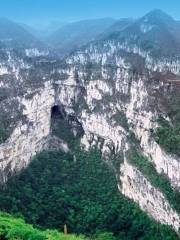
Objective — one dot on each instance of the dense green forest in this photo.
(81, 192)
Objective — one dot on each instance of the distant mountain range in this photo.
(59, 36)
(14, 35)
(43, 31)
(76, 34)
(156, 32)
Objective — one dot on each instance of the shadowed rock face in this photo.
(114, 92)
(56, 112)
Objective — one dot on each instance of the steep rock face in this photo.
(115, 139)
(112, 89)
(30, 136)
(143, 119)
(138, 108)
(135, 96)
(137, 187)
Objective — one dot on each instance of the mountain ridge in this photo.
(156, 32)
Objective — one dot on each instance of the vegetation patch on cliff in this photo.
(168, 136)
(157, 180)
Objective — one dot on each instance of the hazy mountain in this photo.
(116, 27)
(156, 31)
(76, 34)
(14, 35)
(43, 31)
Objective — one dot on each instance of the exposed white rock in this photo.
(96, 90)
(3, 70)
(29, 137)
(110, 48)
(96, 125)
(142, 121)
(67, 95)
(135, 186)
(34, 52)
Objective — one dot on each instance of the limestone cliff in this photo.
(116, 91)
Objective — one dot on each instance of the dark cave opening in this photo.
(65, 127)
(56, 112)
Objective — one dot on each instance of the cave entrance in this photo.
(65, 126)
(56, 112)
